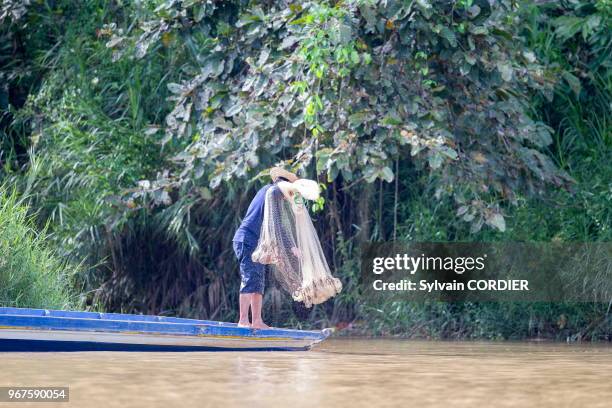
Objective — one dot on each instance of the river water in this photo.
(340, 372)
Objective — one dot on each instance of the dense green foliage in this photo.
(31, 274)
(140, 131)
(355, 87)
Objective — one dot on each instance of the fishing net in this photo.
(289, 244)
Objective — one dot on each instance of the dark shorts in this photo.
(252, 274)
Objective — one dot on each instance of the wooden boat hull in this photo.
(50, 330)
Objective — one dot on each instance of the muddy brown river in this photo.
(338, 373)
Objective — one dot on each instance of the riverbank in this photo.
(564, 322)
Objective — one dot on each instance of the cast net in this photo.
(289, 244)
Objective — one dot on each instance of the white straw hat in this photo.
(276, 172)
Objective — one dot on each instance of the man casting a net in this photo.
(277, 231)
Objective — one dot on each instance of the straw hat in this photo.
(276, 172)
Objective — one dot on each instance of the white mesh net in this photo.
(289, 244)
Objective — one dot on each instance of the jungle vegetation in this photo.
(136, 133)
(31, 273)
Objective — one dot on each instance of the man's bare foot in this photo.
(244, 324)
(259, 324)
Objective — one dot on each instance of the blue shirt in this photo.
(250, 228)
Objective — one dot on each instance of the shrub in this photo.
(31, 274)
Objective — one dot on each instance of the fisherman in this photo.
(245, 241)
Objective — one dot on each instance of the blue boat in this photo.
(56, 330)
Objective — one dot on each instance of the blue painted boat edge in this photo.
(17, 311)
(13, 311)
(112, 326)
(19, 346)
